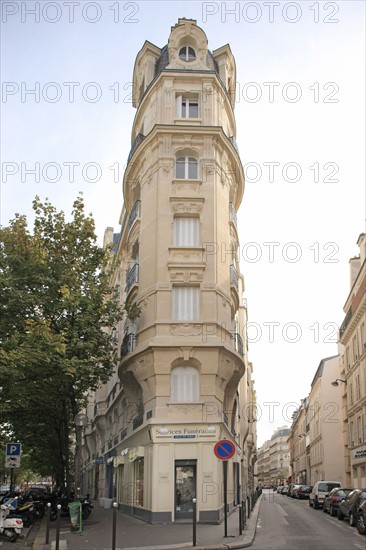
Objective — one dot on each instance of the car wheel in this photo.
(340, 516)
(332, 512)
(361, 526)
(324, 509)
(352, 519)
(310, 503)
(315, 505)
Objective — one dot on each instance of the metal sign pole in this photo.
(224, 462)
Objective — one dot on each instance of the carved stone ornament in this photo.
(186, 329)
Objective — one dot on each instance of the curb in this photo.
(247, 540)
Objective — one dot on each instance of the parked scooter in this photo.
(11, 527)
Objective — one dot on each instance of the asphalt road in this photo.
(285, 523)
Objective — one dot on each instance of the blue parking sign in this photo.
(13, 449)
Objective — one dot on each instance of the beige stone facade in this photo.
(273, 459)
(352, 374)
(182, 380)
(323, 457)
(299, 445)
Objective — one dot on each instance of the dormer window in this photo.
(187, 53)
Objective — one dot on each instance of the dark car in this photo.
(332, 500)
(302, 491)
(349, 507)
(361, 519)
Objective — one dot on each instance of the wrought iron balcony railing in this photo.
(138, 139)
(234, 279)
(233, 214)
(238, 343)
(132, 277)
(135, 213)
(129, 343)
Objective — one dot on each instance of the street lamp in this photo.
(335, 382)
(80, 421)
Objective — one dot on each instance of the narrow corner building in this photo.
(182, 379)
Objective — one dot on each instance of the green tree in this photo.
(57, 316)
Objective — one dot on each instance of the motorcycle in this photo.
(10, 526)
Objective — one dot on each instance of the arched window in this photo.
(186, 168)
(187, 53)
(184, 384)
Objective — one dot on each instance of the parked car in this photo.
(320, 489)
(284, 490)
(348, 508)
(293, 490)
(302, 491)
(361, 519)
(289, 489)
(331, 501)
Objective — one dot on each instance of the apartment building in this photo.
(273, 458)
(352, 374)
(299, 445)
(183, 380)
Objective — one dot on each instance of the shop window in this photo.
(139, 482)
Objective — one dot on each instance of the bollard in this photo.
(58, 527)
(114, 525)
(48, 515)
(194, 500)
(248, 501)
(243, 506)
(240, 520)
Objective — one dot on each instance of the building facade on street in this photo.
(182, 380)
(273, 458)
(352, 374)
(316, 439)
(299, 445)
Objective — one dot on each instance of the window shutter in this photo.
(185, 303)
(184, 384)
(186, 232)
(178, 106)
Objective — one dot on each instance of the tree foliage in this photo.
(57, 315)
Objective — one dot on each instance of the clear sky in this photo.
(300, 131)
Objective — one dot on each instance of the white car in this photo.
(320, 490)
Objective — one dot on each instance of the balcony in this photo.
(135, 213)
(237, 342)
(233, 215)
(138, 420)
(345, 322)
(128, 345)
(139, 138)
(234, 279)
(132, 277)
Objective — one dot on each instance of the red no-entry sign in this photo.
(224, 449)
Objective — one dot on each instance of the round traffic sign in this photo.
(224, 449)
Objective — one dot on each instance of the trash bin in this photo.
(75, 510)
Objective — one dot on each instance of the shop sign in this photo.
(184, 433)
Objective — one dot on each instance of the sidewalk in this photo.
(134, 534)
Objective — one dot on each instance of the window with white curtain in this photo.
(186, 168)
(184, 384)
(185, 303)
(187, 106)
(186, 231)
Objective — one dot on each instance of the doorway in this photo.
(185, 488)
